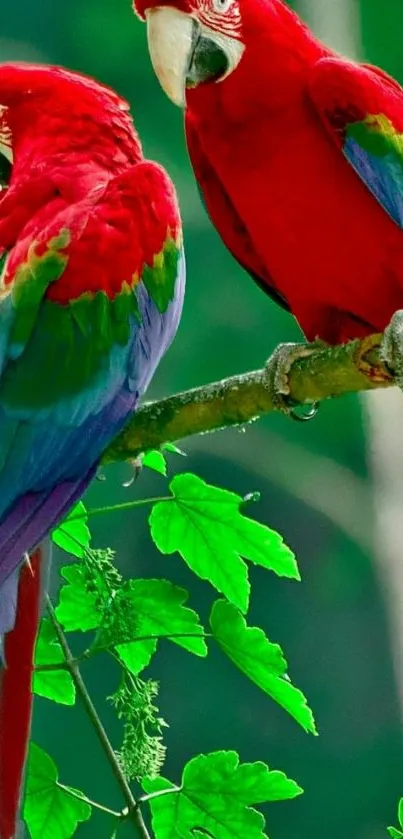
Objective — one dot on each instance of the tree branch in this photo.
(329, 372)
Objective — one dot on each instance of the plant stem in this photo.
(89, 801)
(134, 812)
(126, 505)
(151, 795)
(65, 665)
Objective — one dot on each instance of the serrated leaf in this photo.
(73, 534)
(52, 684)
(155, 460)
(263, 662)
(157, 608)
(137, 656)
(204, 524)
(77, 606)
(49, 810)
(215, 796)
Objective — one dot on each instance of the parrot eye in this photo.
(222, 6)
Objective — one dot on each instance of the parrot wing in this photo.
(87, 308)
(362, 108)
(88, 305)
(225, 218)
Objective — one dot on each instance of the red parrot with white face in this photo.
(298, 154)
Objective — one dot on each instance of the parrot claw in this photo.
(392, 347)
(276, 373)
(137, 467)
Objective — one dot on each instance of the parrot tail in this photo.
(15, 692)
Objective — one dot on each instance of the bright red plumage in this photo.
(15, 693)
(268, 142)
(326, 246)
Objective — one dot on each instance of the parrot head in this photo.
(195, 43)
(47, 108)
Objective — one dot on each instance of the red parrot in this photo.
(298, 154)
(91, 294)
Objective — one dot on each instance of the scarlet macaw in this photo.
(298, 154)
(91, 294)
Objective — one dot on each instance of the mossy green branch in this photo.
(327, 373)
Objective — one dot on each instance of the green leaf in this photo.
(262, 661)
(400, 812)
(170, 447)
(73, 534)
(215, 796)
(204, 524)
(155, 607)
(137, 656)
(395, 834)
(155, 460)
(52, 684)
(49, 810)
(77, 606)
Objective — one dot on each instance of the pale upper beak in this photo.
(185, 53)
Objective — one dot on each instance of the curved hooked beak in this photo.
(185, 53)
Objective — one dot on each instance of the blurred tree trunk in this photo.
(338, 23)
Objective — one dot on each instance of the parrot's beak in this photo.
(185, 53)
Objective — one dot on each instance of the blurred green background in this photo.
(316, 480)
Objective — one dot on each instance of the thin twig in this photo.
(133, 810)
(115, 508)
(168, 636)
(89, 801)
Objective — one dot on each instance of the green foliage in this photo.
(127, 619)
(51, 810)
(205, 525)
(154, 608)
(155, 460)
(53, 684)
(393, 832)
(262, 661)
(142, 753)
(215, 795)
(77, 608)
(73, 534)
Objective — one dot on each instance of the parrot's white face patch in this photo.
(223, 16)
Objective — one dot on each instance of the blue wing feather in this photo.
(362, 108)
(382, 173)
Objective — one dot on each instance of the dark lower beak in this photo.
(5, 171)
(208, 61)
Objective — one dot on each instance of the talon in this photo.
(362, 358)
(137, 466)
(392, 347)
(276, 373)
